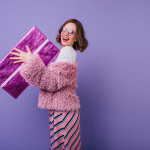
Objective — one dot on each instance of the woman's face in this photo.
(68, 35)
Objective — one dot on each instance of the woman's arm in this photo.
(52, 78)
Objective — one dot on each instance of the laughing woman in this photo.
(58, 84)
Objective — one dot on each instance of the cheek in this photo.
(61, 34)
(73, 38)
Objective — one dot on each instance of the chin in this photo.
(65, 44)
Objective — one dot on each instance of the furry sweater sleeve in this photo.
(52, 78)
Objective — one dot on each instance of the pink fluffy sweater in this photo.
(57, 83)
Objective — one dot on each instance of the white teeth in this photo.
(65, 38)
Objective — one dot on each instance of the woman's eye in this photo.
(71, 32)
(64, 29)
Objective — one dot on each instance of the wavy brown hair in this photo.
(81, 43)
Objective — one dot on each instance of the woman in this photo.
(58, 84)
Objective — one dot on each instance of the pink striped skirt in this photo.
(64, 130)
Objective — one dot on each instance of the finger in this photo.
(15, 58)
(18, 61)
(18, 50)
(16, 54)
(28, 49)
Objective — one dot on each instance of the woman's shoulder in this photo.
(68, 49)
(67, 54)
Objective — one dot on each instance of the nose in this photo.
(65, 33)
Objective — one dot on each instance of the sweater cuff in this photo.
(33, 69)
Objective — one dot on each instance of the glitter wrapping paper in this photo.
(10, 78)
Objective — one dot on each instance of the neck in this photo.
(62, 46)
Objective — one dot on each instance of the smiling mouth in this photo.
(65, 39)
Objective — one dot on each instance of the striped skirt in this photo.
(64, 130)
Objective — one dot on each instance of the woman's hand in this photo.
(21, 56)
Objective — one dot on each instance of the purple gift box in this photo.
(10, 78)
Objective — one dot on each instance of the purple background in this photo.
(114, 73)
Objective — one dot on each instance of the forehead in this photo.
(71, 26)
